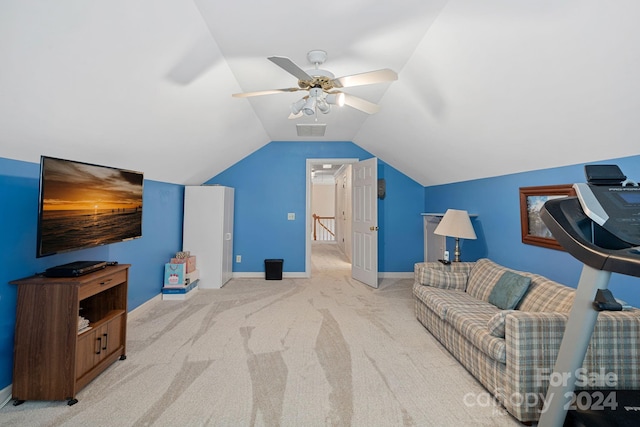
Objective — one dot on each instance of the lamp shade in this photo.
(456, 223)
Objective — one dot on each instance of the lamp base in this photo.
(456, 252)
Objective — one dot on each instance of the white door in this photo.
(434, 245)
(364, 263)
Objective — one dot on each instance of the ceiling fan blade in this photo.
(371, 77)
(197, 61)
(361, 104)
(295, 116)
(290, 67)
(265, 92)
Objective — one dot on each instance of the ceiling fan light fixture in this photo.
(323, 106)
(309, 106)
(335, 99)
(316, 92)
(297, 106)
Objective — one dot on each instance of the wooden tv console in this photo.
(51, 359)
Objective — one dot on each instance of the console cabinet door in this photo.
(111, 339)
(97, 344)
(86, 352)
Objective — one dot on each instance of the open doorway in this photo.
(332, 181)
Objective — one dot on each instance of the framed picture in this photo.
(534, 231)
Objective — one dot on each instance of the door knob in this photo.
(372, 228)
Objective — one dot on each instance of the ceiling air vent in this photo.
(311, 129)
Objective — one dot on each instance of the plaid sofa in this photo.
(513, 352)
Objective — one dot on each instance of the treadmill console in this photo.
(601, 226)
(615, 208)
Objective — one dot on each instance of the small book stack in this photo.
(180, 277)
(83, 324)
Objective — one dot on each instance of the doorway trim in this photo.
(307, 213)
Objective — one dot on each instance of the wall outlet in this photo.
(446, 255)
(291, 216)
(238, 258)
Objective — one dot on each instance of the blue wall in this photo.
(400, 238)
(271, 182)
(496, 201)
(161, 238)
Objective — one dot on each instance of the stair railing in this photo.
(324, 227)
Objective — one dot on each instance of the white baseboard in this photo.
(247, 275)
(302, 275)
(142, 308)
(5, 395)
(396, 275)
(260, 275)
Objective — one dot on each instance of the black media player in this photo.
(75, 269)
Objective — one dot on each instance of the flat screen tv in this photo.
(82, 205)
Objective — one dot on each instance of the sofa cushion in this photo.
(495, 325)
(440, 300)
(471, 323)
(483, 277)
(508, 290)
(444, 279)
(545, 295)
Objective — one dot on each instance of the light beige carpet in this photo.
(325, 351)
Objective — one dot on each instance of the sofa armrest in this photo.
(533, 342)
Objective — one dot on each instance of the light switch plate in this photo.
(291, 216)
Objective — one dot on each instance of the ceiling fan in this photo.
(323, 87)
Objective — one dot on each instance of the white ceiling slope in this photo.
(485, 88)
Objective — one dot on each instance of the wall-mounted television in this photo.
(83, 205)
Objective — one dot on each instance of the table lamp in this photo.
(456, 223)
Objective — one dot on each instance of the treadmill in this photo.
(601, 228)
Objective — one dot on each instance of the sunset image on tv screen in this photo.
(84, 205)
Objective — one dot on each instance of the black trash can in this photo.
(273, 269)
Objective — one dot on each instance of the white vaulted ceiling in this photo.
(484, 88)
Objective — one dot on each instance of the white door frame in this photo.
(307, 214)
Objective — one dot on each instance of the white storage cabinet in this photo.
(208, 232)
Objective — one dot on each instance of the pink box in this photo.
(191, 264)
(190, 261)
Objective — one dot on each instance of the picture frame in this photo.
(534, 231)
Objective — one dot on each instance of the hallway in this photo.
(327, 257)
